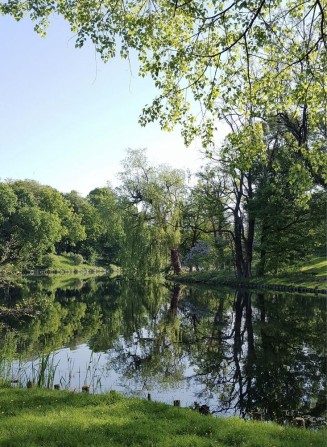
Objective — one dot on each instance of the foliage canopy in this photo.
(210, 60)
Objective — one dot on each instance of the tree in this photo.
(154, 198)
(248, 63)
(48, 199)
(237, 60)
(290, 215)
(205, 220)
(35, 233)
(100, 216)
(231, 182)
(27, 232)
(35, 220)
(109, 232)
(262, 197)
(91, 222)
(8, 204)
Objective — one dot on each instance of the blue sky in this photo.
(66, 118)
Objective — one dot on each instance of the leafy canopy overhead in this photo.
(241, 61)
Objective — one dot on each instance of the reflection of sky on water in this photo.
(234, 351)
(77, 367)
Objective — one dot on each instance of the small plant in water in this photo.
(93, 373)
(66, 378)
(47, 370)
(38, 373)
(44, 372)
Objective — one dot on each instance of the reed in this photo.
(44, 372)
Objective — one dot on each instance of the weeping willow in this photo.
(152, 218)
(145, 249)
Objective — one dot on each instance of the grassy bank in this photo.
(37, 417)
(311, 275)
(67, 264)
(60, 264)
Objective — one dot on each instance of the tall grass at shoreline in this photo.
(44, 372)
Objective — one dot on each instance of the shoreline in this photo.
(31, 417)
(201, 279)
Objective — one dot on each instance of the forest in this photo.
(251, 220)
(255, 209)
(259, 202)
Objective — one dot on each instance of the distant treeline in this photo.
(237, 216)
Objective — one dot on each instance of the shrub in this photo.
(46, 261)
(76, 258)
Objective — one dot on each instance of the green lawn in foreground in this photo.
(46, 418)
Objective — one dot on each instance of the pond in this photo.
(239, 352)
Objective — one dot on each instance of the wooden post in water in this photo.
(177, 403)
(149, 396)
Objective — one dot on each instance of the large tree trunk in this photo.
(175, 261)
(238, 230)
(249, 237)
(249, 248)
(239, 258)
(244, 226)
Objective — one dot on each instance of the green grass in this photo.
(38, 417)
(317, 267)
(66, 263)
(61, 264)
(311, 275)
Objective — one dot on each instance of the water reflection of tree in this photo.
(291, 365)
(151, 354)
(268, 356)
(58, 317)
(247, 351)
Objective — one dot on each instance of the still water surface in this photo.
(236, 351)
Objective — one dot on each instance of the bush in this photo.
(46, 262)
(76, 258)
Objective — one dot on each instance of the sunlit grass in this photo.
(39, 417)
(60, 264)
(312, 274)
(317, 267)
(65, 262)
